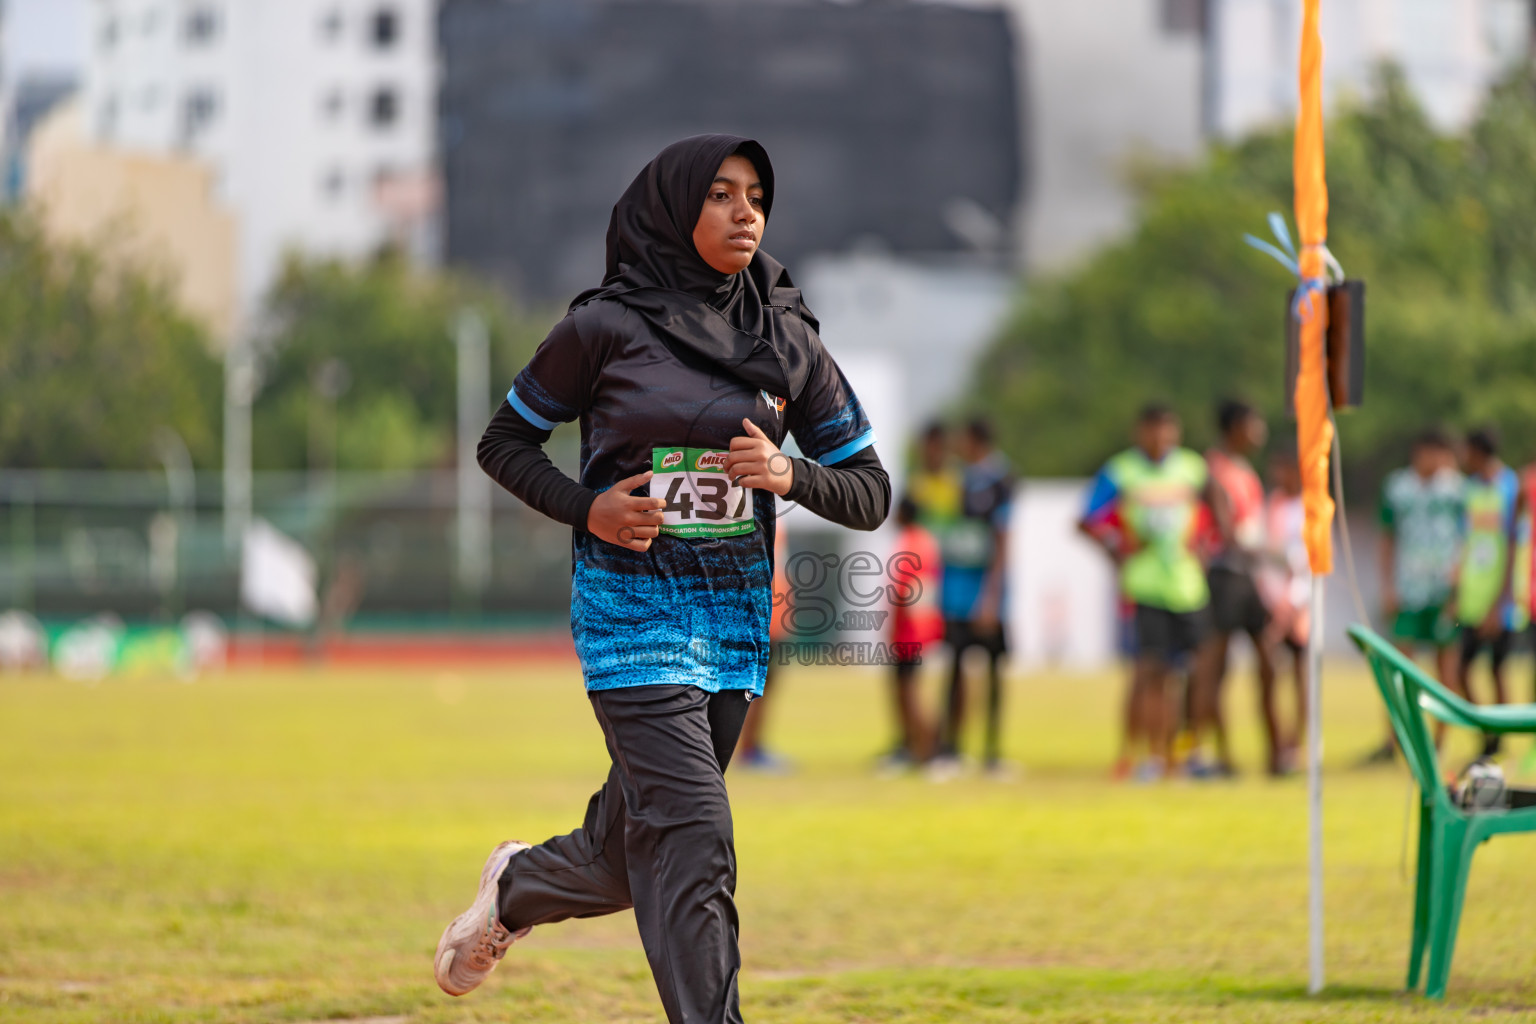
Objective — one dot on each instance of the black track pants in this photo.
(657, 837)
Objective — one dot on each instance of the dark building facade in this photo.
(881, 117)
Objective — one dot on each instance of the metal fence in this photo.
(148, 546)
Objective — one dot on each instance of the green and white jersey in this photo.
(1427, 518)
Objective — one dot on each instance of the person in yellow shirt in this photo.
(935, 486)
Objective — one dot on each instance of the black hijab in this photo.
(752, 324)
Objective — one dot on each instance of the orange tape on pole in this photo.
(1314, 431)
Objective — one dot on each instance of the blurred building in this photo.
(918, 324)
(1450, 51)
(314, 116)
(159, 211)
(1109, 82)
(1113, 82)
(892, 125)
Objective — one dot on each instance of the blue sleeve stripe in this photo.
(1101, 494)
(837, 455)
(527, 413)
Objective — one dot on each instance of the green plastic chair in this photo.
(1448, 833)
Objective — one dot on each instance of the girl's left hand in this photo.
(755, 461)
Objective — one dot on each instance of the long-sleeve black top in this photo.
(855, 492)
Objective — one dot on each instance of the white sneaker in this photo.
(1002, 771)
(944, 768)
(475, 941)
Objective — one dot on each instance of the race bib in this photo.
(1164, 525)
(968, 542)
(701, 500)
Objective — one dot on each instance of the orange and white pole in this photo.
(1314, 433)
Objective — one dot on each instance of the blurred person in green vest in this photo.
(1159, 492)
(1489, 612)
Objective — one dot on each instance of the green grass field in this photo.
(287, 847)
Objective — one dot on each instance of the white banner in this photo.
(277, 576)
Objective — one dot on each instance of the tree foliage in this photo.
(359, 368)
(1443, 231)
(96, 360)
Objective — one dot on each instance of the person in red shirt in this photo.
(1285, 582)
(1236, 606)
(917, 626)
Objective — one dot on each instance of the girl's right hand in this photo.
(626, 519)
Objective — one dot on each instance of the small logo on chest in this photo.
(774, 402)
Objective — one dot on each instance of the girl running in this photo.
(687, 368)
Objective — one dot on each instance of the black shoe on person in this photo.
(1384, 754)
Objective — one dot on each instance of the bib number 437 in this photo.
(701, 500)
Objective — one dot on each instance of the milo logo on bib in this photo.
(701, 500)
